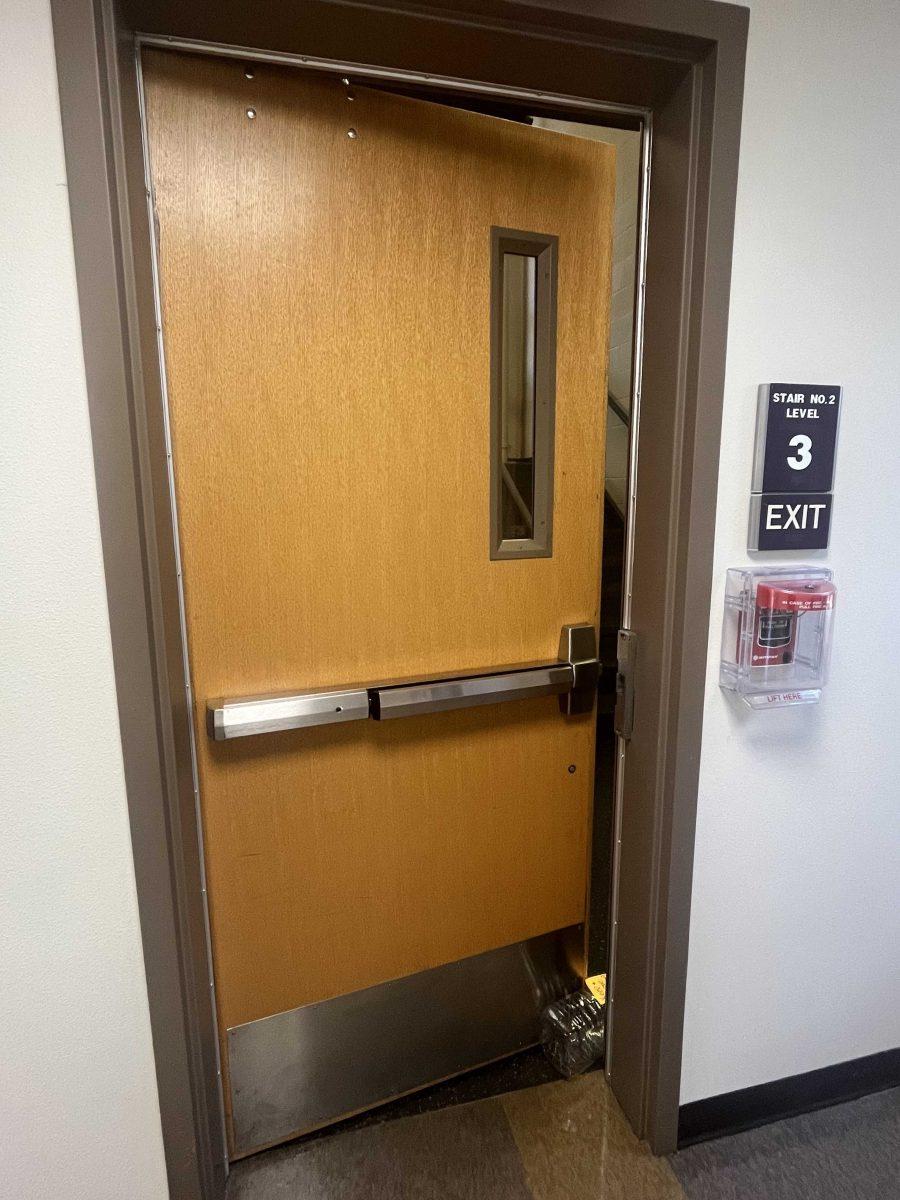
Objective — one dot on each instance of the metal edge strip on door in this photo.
(637, 365)
(172, 494)
(300, 1069)
(365, 71)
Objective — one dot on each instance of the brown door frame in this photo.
(684, 63)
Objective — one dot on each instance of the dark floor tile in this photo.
(848, 1152)
(465, 1153)
(356, 1167)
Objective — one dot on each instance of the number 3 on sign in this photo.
(801, 460)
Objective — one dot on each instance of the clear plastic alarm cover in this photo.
(776, 635)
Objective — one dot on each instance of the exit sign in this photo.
(793, 466)
(790, 521)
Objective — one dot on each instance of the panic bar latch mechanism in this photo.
(573, 677)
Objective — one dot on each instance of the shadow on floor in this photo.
(527, 1069)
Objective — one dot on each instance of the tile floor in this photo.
(568, 1139)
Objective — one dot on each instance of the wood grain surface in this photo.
(326, 330)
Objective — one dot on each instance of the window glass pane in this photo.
(523, 392)
(517, 389)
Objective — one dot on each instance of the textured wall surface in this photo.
(795, 927)
(78, 1106)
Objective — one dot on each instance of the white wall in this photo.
(79, 1118)
(794, 957)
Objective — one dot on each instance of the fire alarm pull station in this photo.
(776, 638)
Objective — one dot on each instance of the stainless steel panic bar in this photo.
(573, 677)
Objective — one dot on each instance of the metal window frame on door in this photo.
(543, 249)
(686, 68)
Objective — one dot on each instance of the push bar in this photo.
(573, 677)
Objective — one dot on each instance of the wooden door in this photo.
(325, 269)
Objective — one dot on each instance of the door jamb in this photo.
(693, 63)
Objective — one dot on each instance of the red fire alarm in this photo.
(776, 640)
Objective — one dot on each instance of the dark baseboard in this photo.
(753, 1106)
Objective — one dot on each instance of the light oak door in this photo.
(330, 272)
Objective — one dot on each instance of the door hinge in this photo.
(626, 653)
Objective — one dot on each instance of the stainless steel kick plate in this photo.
(303, 1068)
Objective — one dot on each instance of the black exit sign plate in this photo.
(795, 521)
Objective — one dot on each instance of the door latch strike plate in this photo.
(626, 654)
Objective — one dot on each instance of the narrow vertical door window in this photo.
(523, 376)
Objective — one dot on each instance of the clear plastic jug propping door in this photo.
(776, 635)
